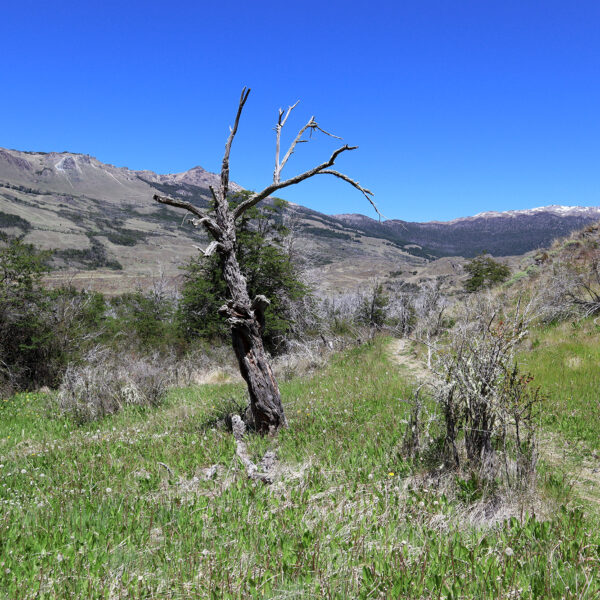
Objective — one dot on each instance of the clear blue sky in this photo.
(457, 106)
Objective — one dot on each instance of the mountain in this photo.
(500, 233)
(108, 233)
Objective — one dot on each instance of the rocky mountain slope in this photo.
(108, 233)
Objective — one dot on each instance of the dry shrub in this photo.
(303, 358)
(573, 289)
(107, 382)
(199, 366)
(571, 283)
(487, 405)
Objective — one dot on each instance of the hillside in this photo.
(109, 235)
(104, 224)
(499, 233)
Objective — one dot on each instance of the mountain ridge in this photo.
(499, 233)
(101, 220)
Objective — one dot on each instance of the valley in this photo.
(108, 234)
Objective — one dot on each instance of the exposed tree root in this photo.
(265, 472)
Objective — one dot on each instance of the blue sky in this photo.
(458, 107)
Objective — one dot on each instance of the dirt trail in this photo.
(581, 467)
(400, 352)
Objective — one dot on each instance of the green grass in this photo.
(565, 361)
(88, 512)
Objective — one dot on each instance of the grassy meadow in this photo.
(153, 503)
(565, 360)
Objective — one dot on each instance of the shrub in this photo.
(484, 272)
(146, 316)
(484, 398)
(106, 383)
(26, 336)
(373, 307)
(573, 289)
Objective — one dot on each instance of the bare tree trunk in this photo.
(246, 317)
(247, 321)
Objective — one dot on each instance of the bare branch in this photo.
(337, 137)
(311, 123)
(225, 165)
(366, 193)
(210, 249)
(280, 123)
(212, 227)
(266, 476)
(256, 198)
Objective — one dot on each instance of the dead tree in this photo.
(245, 315)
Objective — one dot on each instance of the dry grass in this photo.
(106, 383)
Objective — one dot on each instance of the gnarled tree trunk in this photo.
(246, 316)
(246, 320)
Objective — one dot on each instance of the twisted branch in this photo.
(256, 198)
(203, 219)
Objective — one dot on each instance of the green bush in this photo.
(26, 336)
(484, 272)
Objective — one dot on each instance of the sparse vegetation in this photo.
(106, 383)
(9, 220)
(122, 236)
(328, 233)
(93, 257)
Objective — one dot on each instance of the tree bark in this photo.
(246, 320)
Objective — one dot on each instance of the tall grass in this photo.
(565, 360)
(126, 508)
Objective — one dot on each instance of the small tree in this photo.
(25, 332)
(373, 308)
(246, 315)
(267, 267)
(484, 272)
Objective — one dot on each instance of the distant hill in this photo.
(499, 233)
(109, 234)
